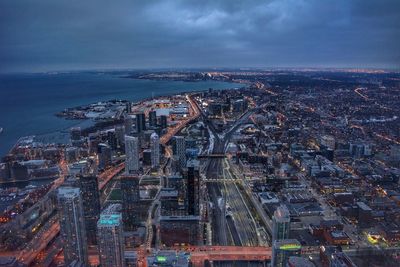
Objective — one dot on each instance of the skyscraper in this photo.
(192, 175)
(91, 206)
(179, 150)
(112, 140)
(110, 240)
(128, 122)
(75, 133)
(128, 107)
(281, 223)
(130, 199)
(104, 155)
(76, 136)
(140, 122)
(283, 249)
(155, 150)
(72, 225)
(153, 118)
(132, 154)
(120, 134)
(163, 121)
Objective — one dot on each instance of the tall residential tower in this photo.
(132, 154)
(155, 150)
(72, 225)
(110, 240)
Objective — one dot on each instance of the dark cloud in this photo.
(41, 35)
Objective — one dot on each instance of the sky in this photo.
(46, 35)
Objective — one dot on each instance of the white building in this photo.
(155, 150)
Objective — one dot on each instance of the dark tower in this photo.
(130, 201)
(140, 122)
(193, 186)
(91, 206)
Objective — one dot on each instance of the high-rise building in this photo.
(130, 199)
(75, 133)
(132, 154)
(153, 118)
(104, 154)
(72, 225)
(120, 134)
(71, 154)
(283, 249)
(128, 107)
(155, 150)
(140, 122)
(112, 140)
(146, 137)
(128, 122)
(192, 175)
(93, 142)
(76, 136)
(91, 206)
(281, 223)
(179, 150)
(147, 157)
(175, 166)
(163, 121)
(110, 240)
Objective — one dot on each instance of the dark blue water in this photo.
(28, 102)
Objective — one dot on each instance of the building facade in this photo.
(130, 199)
(132, 154)
(281, 223)
(179, 150)
(155, 150)
(91, 205)
(110, 240)
(72, 225)
(192, 175)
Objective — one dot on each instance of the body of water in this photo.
(28, 102)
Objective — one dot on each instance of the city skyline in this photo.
(293, 168)
(186, 133)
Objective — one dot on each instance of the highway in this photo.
(39, 242)
(47, 232)
(172, 131)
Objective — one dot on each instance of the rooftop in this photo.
(109, 220)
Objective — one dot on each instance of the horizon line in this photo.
(206, 69)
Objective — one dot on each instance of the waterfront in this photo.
(28, 102)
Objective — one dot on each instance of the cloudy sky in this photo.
(38, 35)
